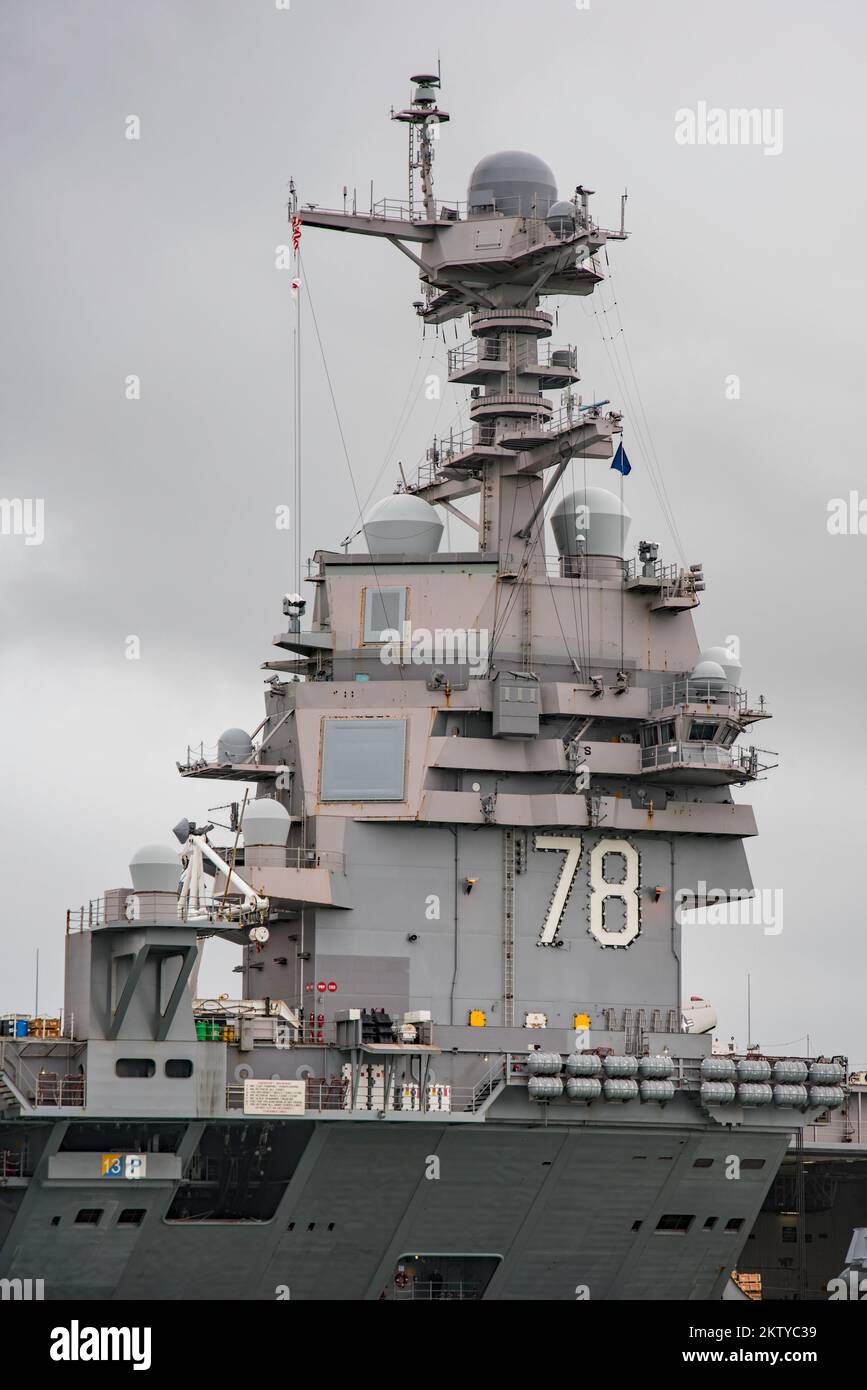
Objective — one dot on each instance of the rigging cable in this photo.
(653, 468)
(640, 399)
(343, 443)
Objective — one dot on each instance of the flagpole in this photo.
(622, 556)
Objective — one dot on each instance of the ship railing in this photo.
(489, 349)
(199, 755)
(311, 1035)
(450, 210)
(334, 1093)
(398, 209)
(547, 351)
(744, 761)
(574, 413)
(395, 210)
(489, 434)
(45, 1087)
(294, 857)
(693, 691)
(85, 917)
(651, 569)
(428, 1290)
(696, 692)
(316, 859)
(322, 1093)
(674, 580)
(842, 1126)
(13, 1163)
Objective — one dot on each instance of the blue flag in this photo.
(621, 462)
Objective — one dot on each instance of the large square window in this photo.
(384, 611)
(363, 759)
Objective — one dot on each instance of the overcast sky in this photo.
(156, 257)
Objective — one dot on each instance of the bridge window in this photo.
(675, 1223)
(384, 611)
(131, 1216)
(363, 759)
(703, 730)
(141, 1067)
(88, 1216)
(179, 1067)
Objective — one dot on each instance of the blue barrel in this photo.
(21, 1027)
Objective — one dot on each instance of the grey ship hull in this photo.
(562, 1210)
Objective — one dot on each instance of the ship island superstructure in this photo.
(484, 787)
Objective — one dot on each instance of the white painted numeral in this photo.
(572, 845)
(601, 890)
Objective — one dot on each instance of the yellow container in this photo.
(477, 1018)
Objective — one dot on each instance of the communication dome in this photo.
(403, 525)
(730, 664)
(708, 671)
(234, 746)
(597, 515)
(561, 219)
(513, 182)
(266, 822)
(155, 869)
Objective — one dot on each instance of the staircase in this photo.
(9, 1098)
(491, 1084)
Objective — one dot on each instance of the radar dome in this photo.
(561, 219)
(712, 672)
(596, 515)
(513, 182)
(403, 525)
(730, 664)
(234, 746)
(155, 869)
(266, 822)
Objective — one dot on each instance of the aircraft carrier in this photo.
(486, 782)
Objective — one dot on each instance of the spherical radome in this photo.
(730, 664)
(402, 525)
(155, 869)
(234, 746)
(707, 671)
(513, 182)
(266, 822)
(595, 514)
(561, 218)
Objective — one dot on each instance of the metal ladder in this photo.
(509, 870)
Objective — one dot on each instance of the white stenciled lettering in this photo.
(572, 845)
(602, 890)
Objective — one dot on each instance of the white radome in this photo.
(155, 869)
(403, 525)
(596, 514)
(266, 822)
